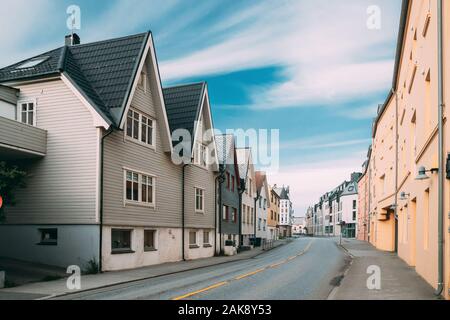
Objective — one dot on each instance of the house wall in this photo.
(274, 207)
(248, 201)
(7, 110)
(165, 216)
(262, 207)
(363, 208)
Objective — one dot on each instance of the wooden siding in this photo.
(62, 186)
(122, 153)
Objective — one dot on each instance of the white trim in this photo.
(139, 139)
(7, 146)
(19, 110)
(203, 199)
(97, 118)
(138, 203)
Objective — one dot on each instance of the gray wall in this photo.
(77, 244)
(120, 153)
(230, 199)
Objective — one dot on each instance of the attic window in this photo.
(32, 63)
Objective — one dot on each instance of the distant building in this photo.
(286, 212)
(299, 226)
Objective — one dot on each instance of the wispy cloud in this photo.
(325, 141)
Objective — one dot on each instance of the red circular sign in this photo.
(1, 201)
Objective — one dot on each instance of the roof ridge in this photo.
(111, 39)
(185, 85)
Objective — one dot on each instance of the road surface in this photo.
(306, 268)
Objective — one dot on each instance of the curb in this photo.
(52, 296)
(335, 290)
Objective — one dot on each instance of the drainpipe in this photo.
(102, 152)
(241, 191)
(220, 179)
(440, 287)
(254, 226)
(183, 213)
(396, 173)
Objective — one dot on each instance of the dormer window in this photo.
(140, 128)
(27, 112)
(200, 154)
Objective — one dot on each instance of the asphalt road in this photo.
(303, 269)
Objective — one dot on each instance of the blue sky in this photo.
(309, 68)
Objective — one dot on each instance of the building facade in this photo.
(262, 205)
(273, 214)
(409, 179)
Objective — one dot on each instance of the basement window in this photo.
(121, 241)
(49, 237)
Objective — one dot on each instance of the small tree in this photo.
(11, 178)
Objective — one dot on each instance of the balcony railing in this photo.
(19, 140)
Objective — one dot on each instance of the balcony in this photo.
(21, 141)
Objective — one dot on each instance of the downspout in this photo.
(396, 173)
(102, 152)
(440, 287)
(241, 191)
(220, 179)
(254, 226)
(183, 228)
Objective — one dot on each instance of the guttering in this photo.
(440, 287)
(183, 228)
(102, 146)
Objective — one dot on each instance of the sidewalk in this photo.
(398, 280)
(43, 290)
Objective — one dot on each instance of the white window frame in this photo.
(155, 240)
(139, 202)
(142, 82)
(200, 155)
(203, 191)
(209, 238)
(19, 111)
(193, 245)
(139, 139)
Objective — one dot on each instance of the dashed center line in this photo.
(220, 284)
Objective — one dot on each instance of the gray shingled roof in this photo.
(103, 71)
(183, 105)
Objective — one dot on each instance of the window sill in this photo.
(47, 244)
(122, 252)
(194, 246)
(139, 143)
(207, 246)
(150, 250)
(199, 212)
(139, 204)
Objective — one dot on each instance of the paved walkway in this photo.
(398, 280)
(43, 290)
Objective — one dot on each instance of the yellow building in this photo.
(405, 211)
(273, 214)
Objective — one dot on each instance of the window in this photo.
(228, 180)
(200, 155)
(354, 204)
(259, 224)
(139, 188)
(32, 63)
(120, 241)
(199, 200)
(193, 239)
(140, 128)
(264, 225)
(49, 237)
(206, 241)
(232, 183)
(225, 213)
(27, 113)
(142, 82)
(234, 217)
(149, 240)
(354, 215)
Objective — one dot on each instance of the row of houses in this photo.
(404, 192)
(122, 172)
(336, 213)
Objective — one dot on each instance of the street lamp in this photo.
(404, 196)
(422, 173)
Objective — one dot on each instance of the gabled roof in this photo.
(225, 148)
(183, 106)
(261, 181)
(103, 72)
(243, 160)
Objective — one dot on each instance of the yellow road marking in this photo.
(201, 290)
(249, 274)
(277, 264)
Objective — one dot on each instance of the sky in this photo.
(314, 70)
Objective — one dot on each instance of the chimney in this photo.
(72, 39)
